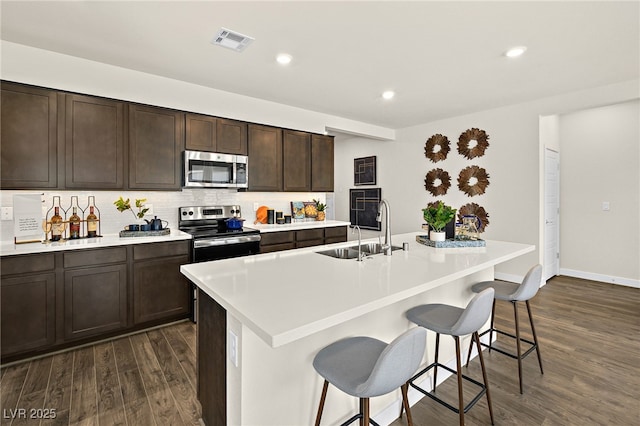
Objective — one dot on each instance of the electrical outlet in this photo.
(233, 348)
(150, 207)
(605, 206)
(7, 213)
(255, 206)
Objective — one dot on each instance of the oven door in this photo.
(207, 169)
(206, 249)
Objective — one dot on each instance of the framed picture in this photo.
(364, 171)
(363, 208)
(297, 209)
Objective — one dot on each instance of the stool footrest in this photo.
(502, 351)
(357, 417)
(483, 388)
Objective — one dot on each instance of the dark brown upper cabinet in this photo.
(94, 143)
(265, 158)
(296, 154)
(156, 141)
(29, 141)
(205, 133)
(322, 163)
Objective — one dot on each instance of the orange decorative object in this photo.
(261, 215)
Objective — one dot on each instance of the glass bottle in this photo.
(74, 225)
(57, 226)
(92, 224)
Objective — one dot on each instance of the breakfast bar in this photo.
(262, 318)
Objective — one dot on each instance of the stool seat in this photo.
(503, 290)
(365, 367)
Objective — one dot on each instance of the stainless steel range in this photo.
(218, 232)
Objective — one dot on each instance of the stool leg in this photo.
(515, 313)
(405, 402)
(493, 316)
(322, 398)
(459, 365)
(535, 338)
(435, 369)
(476, 337)
(365, 412)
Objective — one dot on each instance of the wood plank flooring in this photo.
(143, 379)
(589, 336)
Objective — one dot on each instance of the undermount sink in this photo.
(351, 252)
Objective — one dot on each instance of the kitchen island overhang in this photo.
(283, 307)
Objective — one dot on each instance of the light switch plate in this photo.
(6, 213)
(605, 206)
(255, 206)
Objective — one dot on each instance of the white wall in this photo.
(600, 162)
(513, 161)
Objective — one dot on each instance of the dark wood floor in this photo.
(589, 336)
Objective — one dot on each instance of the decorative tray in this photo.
(424, 239)
(159, 233)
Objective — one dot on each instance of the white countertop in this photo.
(303, 224)
(286, 296)
(9, 249)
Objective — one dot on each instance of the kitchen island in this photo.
(262, 319)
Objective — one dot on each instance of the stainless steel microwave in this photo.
(212, 170)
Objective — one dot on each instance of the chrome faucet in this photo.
(359, 242)
(386, 247)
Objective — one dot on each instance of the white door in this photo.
(551, 213)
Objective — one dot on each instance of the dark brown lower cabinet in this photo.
(160, 291)
(95, 301)
(286, 240)
(28, 311)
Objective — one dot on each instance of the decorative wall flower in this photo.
(473, 180)
(475, 210)
(437, 182)
(472, 143)
(436, 148)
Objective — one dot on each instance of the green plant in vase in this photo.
(437, 217)
(321, 208)
(123, 205)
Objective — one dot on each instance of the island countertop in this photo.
(286, 296)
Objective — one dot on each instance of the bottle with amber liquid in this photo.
(92, 223)
(74, 225)
(57, 225)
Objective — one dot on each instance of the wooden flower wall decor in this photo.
(472, 143)
(476, 210)
(437, 182)
(436, 148)
(473, 180)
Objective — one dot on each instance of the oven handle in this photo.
(227, 240)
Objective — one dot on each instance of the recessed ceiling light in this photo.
(284, 59)
(232, 40)
(388, 94)
(514, 52)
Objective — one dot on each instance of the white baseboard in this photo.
(629, 282)
(390, 414)
(509, 277)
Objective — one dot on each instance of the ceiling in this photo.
(441, 58)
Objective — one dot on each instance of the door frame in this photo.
(548, 217)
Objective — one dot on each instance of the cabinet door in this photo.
(27, 315)
(232, 137)
(200, 132)
(94, 143)
(29, 137)
(156, 140)
(322, 163)
(160, 291)
(296, 155)
(265, 158)
(95, 301)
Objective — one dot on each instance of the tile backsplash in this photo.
(165, 204)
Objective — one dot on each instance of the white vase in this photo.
(437, 236)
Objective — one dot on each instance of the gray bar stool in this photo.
(514, 293)
(365, 367)
(456, 322)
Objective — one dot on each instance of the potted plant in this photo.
(437, 217)
(122, 205)
(321, 208)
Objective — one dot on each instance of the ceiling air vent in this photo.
(232, 40)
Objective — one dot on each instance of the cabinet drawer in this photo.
(95, 257)
(151, 251)
(309, 243)
(277, 238)
(310, 234)
(336, 232)
(277, 247)
(27, 263)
